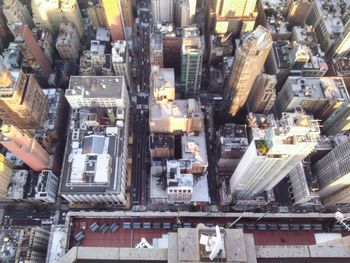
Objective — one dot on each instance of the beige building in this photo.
(49, 14)
(250, 57)
(68, 41)
(5, 175)
(297, 11)
(168, 115)
(16, 12)
(162, 10)
(22, 101)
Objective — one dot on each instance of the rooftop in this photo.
(95, 86)
(65, 33)
(341, 66)
(119, 51)
(194, 148)
(233, 136)
(161, 141)
(319, 88)
(333, 12)
(57, 243)
(16, 188)
(93, 155)
(182, 109)
(9, 243)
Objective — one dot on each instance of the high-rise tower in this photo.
(16, 12)
(162, 10)
(22, 102)
(251, 53)
(191, 61)
(26, 149)
(270, 157)
(34, 56)
(114, 19)
(49, 14)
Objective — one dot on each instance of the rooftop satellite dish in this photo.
(213, 244)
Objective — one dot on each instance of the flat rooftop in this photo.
(96, 86)
(175, 109)
(92, 163)
(194, 148)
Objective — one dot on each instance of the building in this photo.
(340, 67)
(12, 56)
(333, 172)
(46, 187)
(342, 44)
(297, 12)
(121, 61)
(45, 41)
(16, 12)
(128, 17)
(49, 14)
(161, 146)
(273, 154)
(263, 94)
(232, 144)
(95, 163)
(303, 186)
(294, 59)
(194, 149)
(5, 175)
(171, 182)
(305, 35)
(184, 12)
(27, 244)
(33, 55)
(63, 70)
(250, 56)
(156, 49)
(272, 16)
(95, 62)
(114, 18)
(96, 13)
(167, 115)
(320, 97)
(236, 17)
(92, 92)
(25, 148)
(162, 11)
(191, 61)
(172, 46)
(68, 41)
(218, 48)
(327, 19)
(16, 190)
(5, 35)
(22, 101)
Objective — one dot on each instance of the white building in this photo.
(47, 186)
(121, 61)
(162, 10)
(97, 91)
(95, 164)
(271, 157)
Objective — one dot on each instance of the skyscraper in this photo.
(162, 10)
(114, 19)
(34, 56)
(234, 16)
(49, 14)
(16, 12)
(25, 148)
(22, 101)
(250, 56)
(191, 61)
(270, 157)
(333, 175)
(185, 11)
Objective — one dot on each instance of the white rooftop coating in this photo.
(103, 34)
(100, 168)
(119, 51)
